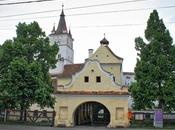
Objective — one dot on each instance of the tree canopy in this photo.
(24, 68)
(155, 69)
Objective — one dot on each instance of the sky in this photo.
(125, 20)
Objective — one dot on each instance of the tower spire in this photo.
(53, 30)
(70, 32)
(62, 28)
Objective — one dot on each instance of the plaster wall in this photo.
(71, 102)
(104, 55)
(91, 69)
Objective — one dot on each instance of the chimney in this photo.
(90, 52)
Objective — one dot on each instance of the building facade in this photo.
(128, 79)
(92, 93)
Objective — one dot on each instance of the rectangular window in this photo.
(98, 79)
(86, 79)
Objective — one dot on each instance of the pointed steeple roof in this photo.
(62, 28)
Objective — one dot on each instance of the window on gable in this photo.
(98, 79)
(86, 79)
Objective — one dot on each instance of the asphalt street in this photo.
(22, 127)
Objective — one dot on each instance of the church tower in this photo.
(64, 39)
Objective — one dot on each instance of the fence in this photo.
(146, 118)
(31, 117)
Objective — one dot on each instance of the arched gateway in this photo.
(91, 113)
(92, 93)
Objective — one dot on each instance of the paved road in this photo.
(22, 127)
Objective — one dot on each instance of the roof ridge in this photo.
(113, 53)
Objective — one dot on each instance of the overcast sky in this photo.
(120, 27)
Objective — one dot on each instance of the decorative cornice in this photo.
(92, 92)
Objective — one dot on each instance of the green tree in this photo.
(154, 71)
(24, 69)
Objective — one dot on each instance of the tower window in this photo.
(114, 78)
(54, 83)
(86, 79)
(98, 79)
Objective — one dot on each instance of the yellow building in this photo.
(92, 93)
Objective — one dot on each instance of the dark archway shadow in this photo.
(91, 114)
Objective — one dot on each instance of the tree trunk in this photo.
(25, 115)
(22, 113)
(161, 104)
(161, 96)
(5, 115)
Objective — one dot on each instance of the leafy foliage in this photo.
(24, 65)
(154, 71)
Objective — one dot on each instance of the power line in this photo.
(22, 14)
(117, 25)
(113, 3)
(112, 25)
(93, 13)
(25, 2)
(128, 10)
(73, 8)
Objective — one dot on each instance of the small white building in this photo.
(128, 79)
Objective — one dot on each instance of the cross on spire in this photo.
(62, 6)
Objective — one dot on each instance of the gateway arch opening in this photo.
(92, 113)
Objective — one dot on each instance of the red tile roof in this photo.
(70, 69)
